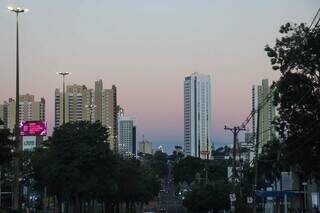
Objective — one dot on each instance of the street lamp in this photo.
(63, 74)
(91, 108)
(304, 184)
(17, 10)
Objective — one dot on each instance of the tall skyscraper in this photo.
(78, 97)
(260, 94)
(197, 115)
(126, 136)
(109, 115)
(29, 110)
(78, 101)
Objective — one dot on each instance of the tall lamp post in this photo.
(15, 206)
(304, 184)
(63, 74)
(91, 108)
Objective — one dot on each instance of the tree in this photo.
(76, 163)
(77, 166)
(186, 169)
(271, 161)
(159, 164)
(6, 144)
(137, 183)
(296, 55)
(177, 155)
(207, 197)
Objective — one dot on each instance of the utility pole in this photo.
(235, 131)
(256, 165)
(91, 108)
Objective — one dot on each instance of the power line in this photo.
(301, 99)
(317, 23)
(314, 18)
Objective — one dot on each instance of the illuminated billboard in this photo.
(33, 128)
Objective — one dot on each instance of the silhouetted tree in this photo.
(213, 196)
(6, 145)
(77, 166)
(75, 163)
(296, 55)
(159, 164)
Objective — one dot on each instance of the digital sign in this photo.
(33, 128)
(29, 143)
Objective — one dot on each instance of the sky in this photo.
(146, 48)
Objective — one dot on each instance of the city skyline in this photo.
(184, 47)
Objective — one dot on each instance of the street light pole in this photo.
(63, 74)
(91, 108)
(304, 184)
(15, 205)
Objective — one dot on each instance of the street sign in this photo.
(232, 197)
(29, 143)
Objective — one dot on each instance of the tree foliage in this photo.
(186, 169)
(272, 161)
(76, 165)
(159, 164)
(296, 55)
(6, 144)
(213, 196)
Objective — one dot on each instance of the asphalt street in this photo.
(168, 202)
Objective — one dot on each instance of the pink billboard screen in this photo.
(30, 128)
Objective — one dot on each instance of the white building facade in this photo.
(126, 136)
(262, 98)
(197, 115)
(29, 110)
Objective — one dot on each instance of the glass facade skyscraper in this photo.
(197, 115)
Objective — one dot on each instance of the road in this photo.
(167, 199)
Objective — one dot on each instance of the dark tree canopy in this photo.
(76, 165)
(271, 161)
(186, 169)
(296, 55)
(6, 144)
(203, 198)
(77, 162)
(159, 164)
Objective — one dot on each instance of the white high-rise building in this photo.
(260, 98)
(126, 136)
(79, 98)
(197, 115)
(29, 110)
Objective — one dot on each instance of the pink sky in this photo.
(146, 49)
